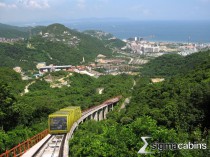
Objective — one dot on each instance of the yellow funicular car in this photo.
(76, 111)
(61, 121)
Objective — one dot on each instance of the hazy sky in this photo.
(33, 11)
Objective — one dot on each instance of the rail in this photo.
(21, 148)
(53, 147)
(42, 146)
(105, 102)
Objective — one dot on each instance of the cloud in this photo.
(32, 4)
(4, 5)
(35, 4)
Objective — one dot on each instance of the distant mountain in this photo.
(7, 31)
(107, 38)
(9, 27)
(60, 33)
(99, 34)
(54, 44)
(56, 29)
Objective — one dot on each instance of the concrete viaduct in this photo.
(95, 113)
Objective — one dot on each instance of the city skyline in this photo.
(28, 12)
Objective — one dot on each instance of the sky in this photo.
(28, 12)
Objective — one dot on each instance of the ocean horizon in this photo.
(167, 31)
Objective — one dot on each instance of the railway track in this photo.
(52, 147)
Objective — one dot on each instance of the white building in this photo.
(147, 49)
(17, 69)
(40, 65)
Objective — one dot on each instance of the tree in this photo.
(7, 101)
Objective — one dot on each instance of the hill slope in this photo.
(54, 44)
(7, 31)
(172, 64)
(173, 111)
(108, 39)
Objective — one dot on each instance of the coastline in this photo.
(157, 31)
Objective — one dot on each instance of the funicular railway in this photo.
(47, 145)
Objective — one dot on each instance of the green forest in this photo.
(174, 111)
(21, 117)
(173, 64)
(108, 39)
(7, 31)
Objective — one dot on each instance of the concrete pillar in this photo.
(105, 111)
(110, 107)
(95, 116)
(89, 117)
(100, 114)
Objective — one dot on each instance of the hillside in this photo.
(32, 109)
(172, 64)
(108, 39)
(54, 44)
(7, 31)
(173, 111)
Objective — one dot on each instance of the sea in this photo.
(165, 31)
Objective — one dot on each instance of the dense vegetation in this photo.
(108, 39)
(12, 79)
(172, 64)
(23, 116)
(7, 31)
(174, 111)
(58, 48)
